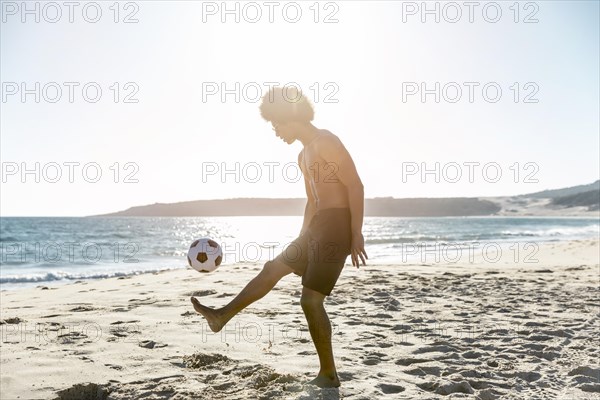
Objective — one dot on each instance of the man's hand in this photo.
(357, 249)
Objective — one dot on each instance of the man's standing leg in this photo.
(320, 331)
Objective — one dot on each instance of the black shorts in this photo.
(320, 253)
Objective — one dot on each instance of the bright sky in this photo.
(373, 56)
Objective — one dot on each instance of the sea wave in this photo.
(405, 240)
(60, 275)
(556, 231)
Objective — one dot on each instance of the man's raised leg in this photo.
(320, 331)
(257, 288)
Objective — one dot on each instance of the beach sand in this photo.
(471, 329)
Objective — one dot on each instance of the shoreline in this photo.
(446, 247)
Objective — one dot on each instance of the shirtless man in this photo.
(331, 231)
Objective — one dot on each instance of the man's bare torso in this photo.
(325, 186)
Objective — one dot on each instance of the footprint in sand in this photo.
(11, 321)
(201, 293)
(529, 376)
(410, 361)
(435, 348)
(139, 302)
(381, 315)
(586, 371)
(390, 389)
(71, 337)
(371, 361)
(120, 329)
(188, 314)
(374, 358)
(83, 308)
(133, 321)
(445, 387)
(151, 344)
(471, 354)
(83, 391)
(51, 315)
(590, 387)
(346, 376)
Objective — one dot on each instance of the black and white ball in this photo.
(205, 255)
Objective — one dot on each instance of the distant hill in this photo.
(378, 207)
(429, 207)
(572, 201)
(564, 192)
(217, 208)
(591, 199)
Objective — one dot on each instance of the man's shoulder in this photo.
(327, 133)
(328, 139)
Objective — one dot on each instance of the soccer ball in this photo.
(205, 255)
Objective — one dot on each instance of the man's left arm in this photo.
(343, 166)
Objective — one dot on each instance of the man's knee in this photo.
(275, 270)
(311, 299)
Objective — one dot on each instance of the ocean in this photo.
(51, 251)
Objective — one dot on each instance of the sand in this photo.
(470, 329)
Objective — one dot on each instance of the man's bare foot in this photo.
(325, 381)
(212, 317)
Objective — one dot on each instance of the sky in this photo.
(176, 115)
